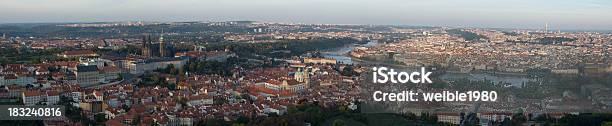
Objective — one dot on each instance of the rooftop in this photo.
(87, 68)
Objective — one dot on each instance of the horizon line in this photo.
(276, 22)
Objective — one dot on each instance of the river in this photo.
(340, 54)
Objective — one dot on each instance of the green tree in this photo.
(100, 117)
(606, 124)
(338, 122)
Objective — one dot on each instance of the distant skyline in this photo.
(531, 14)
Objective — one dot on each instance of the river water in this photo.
(340, 54)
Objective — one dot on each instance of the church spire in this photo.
(146, 51)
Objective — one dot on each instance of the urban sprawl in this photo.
(188, 73)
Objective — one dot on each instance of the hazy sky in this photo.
(563, 14)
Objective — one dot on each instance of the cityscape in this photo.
(305, 63)
(258, 73)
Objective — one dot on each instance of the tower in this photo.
(162, 46)
(299, 75)
(302, 75)
(146, 49)
(546, 27)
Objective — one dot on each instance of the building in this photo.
(96, 62)
(275, 109)
(97, 106)
(31, 97)
(565, 71)
(289, 85)
(162, 46)
(320, 61)
(141, 66)
(87, 75)
(494, 116)
(42, 71)
(452, 118)
(109, 73)
(293, 85)
(75, 95)
(271, 84)
(53, 97)
(597, 68)
(15, 91)
(302, 75)
(197, 100)
(146, 48)
(113, 101)
(21, 80)
(78, 54)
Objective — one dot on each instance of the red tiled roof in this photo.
(31, 93)
(274, 82)
(53, 93)
(292, 82)
(286, 93)
(255, 89)
(197, 97)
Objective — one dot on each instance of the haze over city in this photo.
(560, 14)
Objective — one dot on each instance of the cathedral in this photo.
(148, 46)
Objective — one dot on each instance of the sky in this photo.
(559, 14)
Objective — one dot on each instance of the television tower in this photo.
(546, 27)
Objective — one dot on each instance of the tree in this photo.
(338, 122)
(171, 69)
(506, 122)
(518, 118)
(125, 107)
(214, 122)
(342, 108)
(120, 76)
(317, 54)
(439, 84)
(349, 71)
(238, 124)
(606, 124)
(100, 117)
